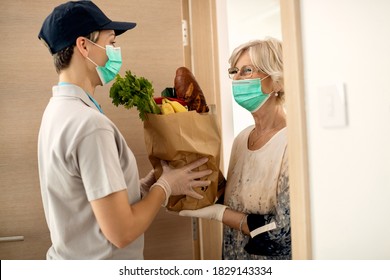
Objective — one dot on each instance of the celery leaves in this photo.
(132, 91)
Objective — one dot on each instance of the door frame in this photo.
(297, 130)
(201, 56)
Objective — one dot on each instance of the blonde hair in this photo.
(266, 55)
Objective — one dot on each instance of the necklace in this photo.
(253, 139)
(263, 138)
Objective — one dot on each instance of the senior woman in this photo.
(256, 210)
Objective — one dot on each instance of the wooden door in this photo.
(153, 50)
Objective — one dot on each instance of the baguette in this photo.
(188, 89)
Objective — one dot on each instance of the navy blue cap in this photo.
(70, 20)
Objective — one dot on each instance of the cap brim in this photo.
(119, 27)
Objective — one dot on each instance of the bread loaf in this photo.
(188, 89)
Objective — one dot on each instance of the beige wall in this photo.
(153, 50)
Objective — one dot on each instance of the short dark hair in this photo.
(63, 57)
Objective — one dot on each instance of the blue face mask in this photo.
(248, 94)
(108, 72)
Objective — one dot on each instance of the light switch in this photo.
(333, 106)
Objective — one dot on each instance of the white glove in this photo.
(147, 182)
(181, 181)
(213, 212)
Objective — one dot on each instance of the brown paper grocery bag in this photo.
(179, 139)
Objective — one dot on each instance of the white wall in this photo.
(239, 22)
(348, 41)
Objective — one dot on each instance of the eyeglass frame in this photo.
(241, 71)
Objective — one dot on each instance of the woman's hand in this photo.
(147, 182)
(213, 212)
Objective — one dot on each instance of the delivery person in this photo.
(89, 178)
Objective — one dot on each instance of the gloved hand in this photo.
(147, 182)
(181, 181)
(213, 212)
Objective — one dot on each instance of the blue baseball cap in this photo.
(72, 19)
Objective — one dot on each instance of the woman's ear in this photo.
(82, 46)
(277, 87)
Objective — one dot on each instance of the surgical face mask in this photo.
(108, 72)
(248, 94)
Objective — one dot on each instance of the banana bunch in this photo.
(170, 107)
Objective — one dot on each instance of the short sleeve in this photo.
(99, 164)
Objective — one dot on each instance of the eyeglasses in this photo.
(246, 71)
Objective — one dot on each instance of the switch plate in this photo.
(333, 106)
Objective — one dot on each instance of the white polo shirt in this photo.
(82, 156)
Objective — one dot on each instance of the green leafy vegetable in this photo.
(131, 91)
